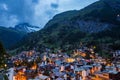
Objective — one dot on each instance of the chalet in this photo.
(116, 53)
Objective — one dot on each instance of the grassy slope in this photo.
(9, 37)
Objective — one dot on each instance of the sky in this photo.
(36, 12)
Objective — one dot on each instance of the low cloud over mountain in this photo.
(36, 12)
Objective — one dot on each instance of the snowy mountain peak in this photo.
(25, 27)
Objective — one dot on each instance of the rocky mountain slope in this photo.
(25, 27)
(97, 23)
(10, 36)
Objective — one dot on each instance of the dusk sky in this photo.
(36, 12)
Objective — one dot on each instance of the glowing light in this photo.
(70, 60)
(118, 15)
(34, 67)
(5, 65)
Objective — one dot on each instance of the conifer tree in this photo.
(2, 56)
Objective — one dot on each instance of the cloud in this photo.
(8, 20)
(54, 5)
(16, 11)
(65, 5)
(45, 10)
(5, 7)
(36, 12)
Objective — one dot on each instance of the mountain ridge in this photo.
(88, 25)
(25, 27)
(10, 36)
